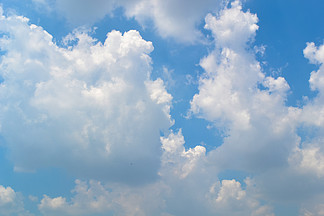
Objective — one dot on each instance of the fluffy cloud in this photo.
(11, 203)
(177, 19)
(256, 122)
(186, 187)
(309, 157)
(95, 106)
(99, 199)
(316, 81)
(181, 162)
(231, 199)
(90, 107)
(260, 131)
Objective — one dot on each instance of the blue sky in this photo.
(161, 107)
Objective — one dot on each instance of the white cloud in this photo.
(231, 72)
(316, 81)
(95, 106)
(260, 130)
(88, 200)
(309, 157)
(314, 54)
(256, 122)
(179, 191)
(233, 28)
(100, 199)
(231, 199)
(90, 108)
(11, 203)
(230, 189)
(181, 162)
(177, 19)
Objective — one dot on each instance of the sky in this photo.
(160, 107)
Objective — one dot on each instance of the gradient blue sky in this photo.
(208, 108)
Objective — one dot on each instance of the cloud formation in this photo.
(256, 123)
(176, 193)
(261, 133)
(90, 108)
(11, 203)
(95, 106)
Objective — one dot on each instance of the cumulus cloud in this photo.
(181, 162)
(231, 199)
(260, 131)
(186, 187)
(11, 203)
(309, 157)
(315, 55)
(256, 123)
(90, 107)
(95, 106)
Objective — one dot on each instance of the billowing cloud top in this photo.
(89, 107)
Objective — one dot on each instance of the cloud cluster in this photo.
(256, 122)
(186, 187)
(95, 106)
(309, 157)
(11, 203)
(90, 108)
(261, 133)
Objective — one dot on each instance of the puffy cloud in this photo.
(231, 199)
(90, 199)
(230, 189)
(231, 72)
(95, 106)
(232, 28)
(179, 191)
(316, 81)
(256, 123)
(90, 107)
(314, 54)
(181, 162)
(11, 203)
(99, 199)
(261, 133)
(309, 157)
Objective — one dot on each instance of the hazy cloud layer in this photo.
(177, 19)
